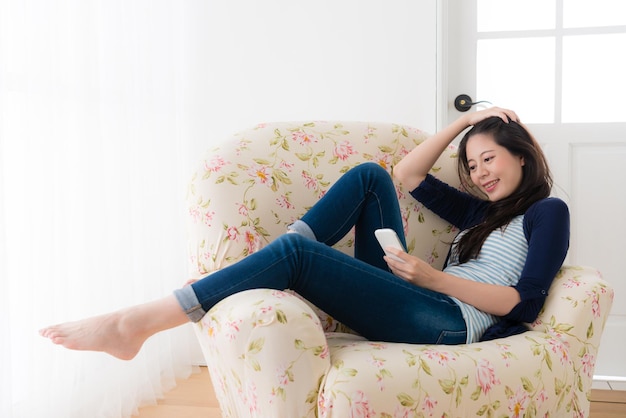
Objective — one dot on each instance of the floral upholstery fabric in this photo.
(271, 354)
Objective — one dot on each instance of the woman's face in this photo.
(493, 169)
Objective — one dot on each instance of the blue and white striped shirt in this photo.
(500, 262)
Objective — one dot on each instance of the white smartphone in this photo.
(388, 238)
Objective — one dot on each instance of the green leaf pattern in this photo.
(270, 352)
(288, 167)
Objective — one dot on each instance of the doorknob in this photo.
(463, 102)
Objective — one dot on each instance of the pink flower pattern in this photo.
(304, 138)
(206, 255)
(233, 233)
(588, 362)
(518, 403)
(428, 405)
(506, 354)
(250, 398)
(360, 407)
(260, 174)
(232, 329)
(243, 146)
(561, 349)
(344, 150)
(195, 214)
(283, 202)
(442, 357)
(595, 305)
(486, 376)
(242, 209)
(384, 160)
(403, 412)
(253, 241)
(282, 376)
(324, 405)
(309, 181)
(207, 218)
(541, 397)
(296, 153)
(215, 164)
(286, 165)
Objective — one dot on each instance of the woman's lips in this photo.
(489, 186)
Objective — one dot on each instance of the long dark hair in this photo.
(536, 181)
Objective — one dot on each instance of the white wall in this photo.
(280, 60)
(286, 60)
(104, 108)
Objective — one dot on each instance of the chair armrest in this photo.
(577, 306)
(575, 313)
(266, 353)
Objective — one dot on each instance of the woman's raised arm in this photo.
(414, 167)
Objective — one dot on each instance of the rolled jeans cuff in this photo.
(303, 229)
(188, 301)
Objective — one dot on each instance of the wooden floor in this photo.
(194, 398)
(191, 398)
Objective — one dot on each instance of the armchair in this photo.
(272, 354)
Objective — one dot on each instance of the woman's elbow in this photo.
(526, 311)
(405, 176)
(398, 173)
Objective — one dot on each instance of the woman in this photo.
(513, 241)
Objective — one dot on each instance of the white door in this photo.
(561, 65)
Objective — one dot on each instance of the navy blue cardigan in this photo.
(546, 228)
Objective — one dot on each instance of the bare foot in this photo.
(122, 333)
(109, 333)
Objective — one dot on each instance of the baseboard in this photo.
(608, 396)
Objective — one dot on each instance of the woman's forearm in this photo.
(494, 299)
(414, 167)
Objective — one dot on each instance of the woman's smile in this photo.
(490, 186)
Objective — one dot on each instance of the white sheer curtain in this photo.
(105, 106)
(92, 184)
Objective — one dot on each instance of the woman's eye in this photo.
(472, 167)
(488, 159)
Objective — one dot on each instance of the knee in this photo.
(293, 240)
(292, 248)
(372, 167)
(372, 171)
(378, 177)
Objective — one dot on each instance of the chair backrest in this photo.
(249, 188)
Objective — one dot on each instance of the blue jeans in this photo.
(358, 291)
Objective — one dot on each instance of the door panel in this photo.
(566, 83)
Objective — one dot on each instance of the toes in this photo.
(51, 333)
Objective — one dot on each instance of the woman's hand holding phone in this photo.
(387, 238)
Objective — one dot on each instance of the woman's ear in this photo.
(523, 163)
